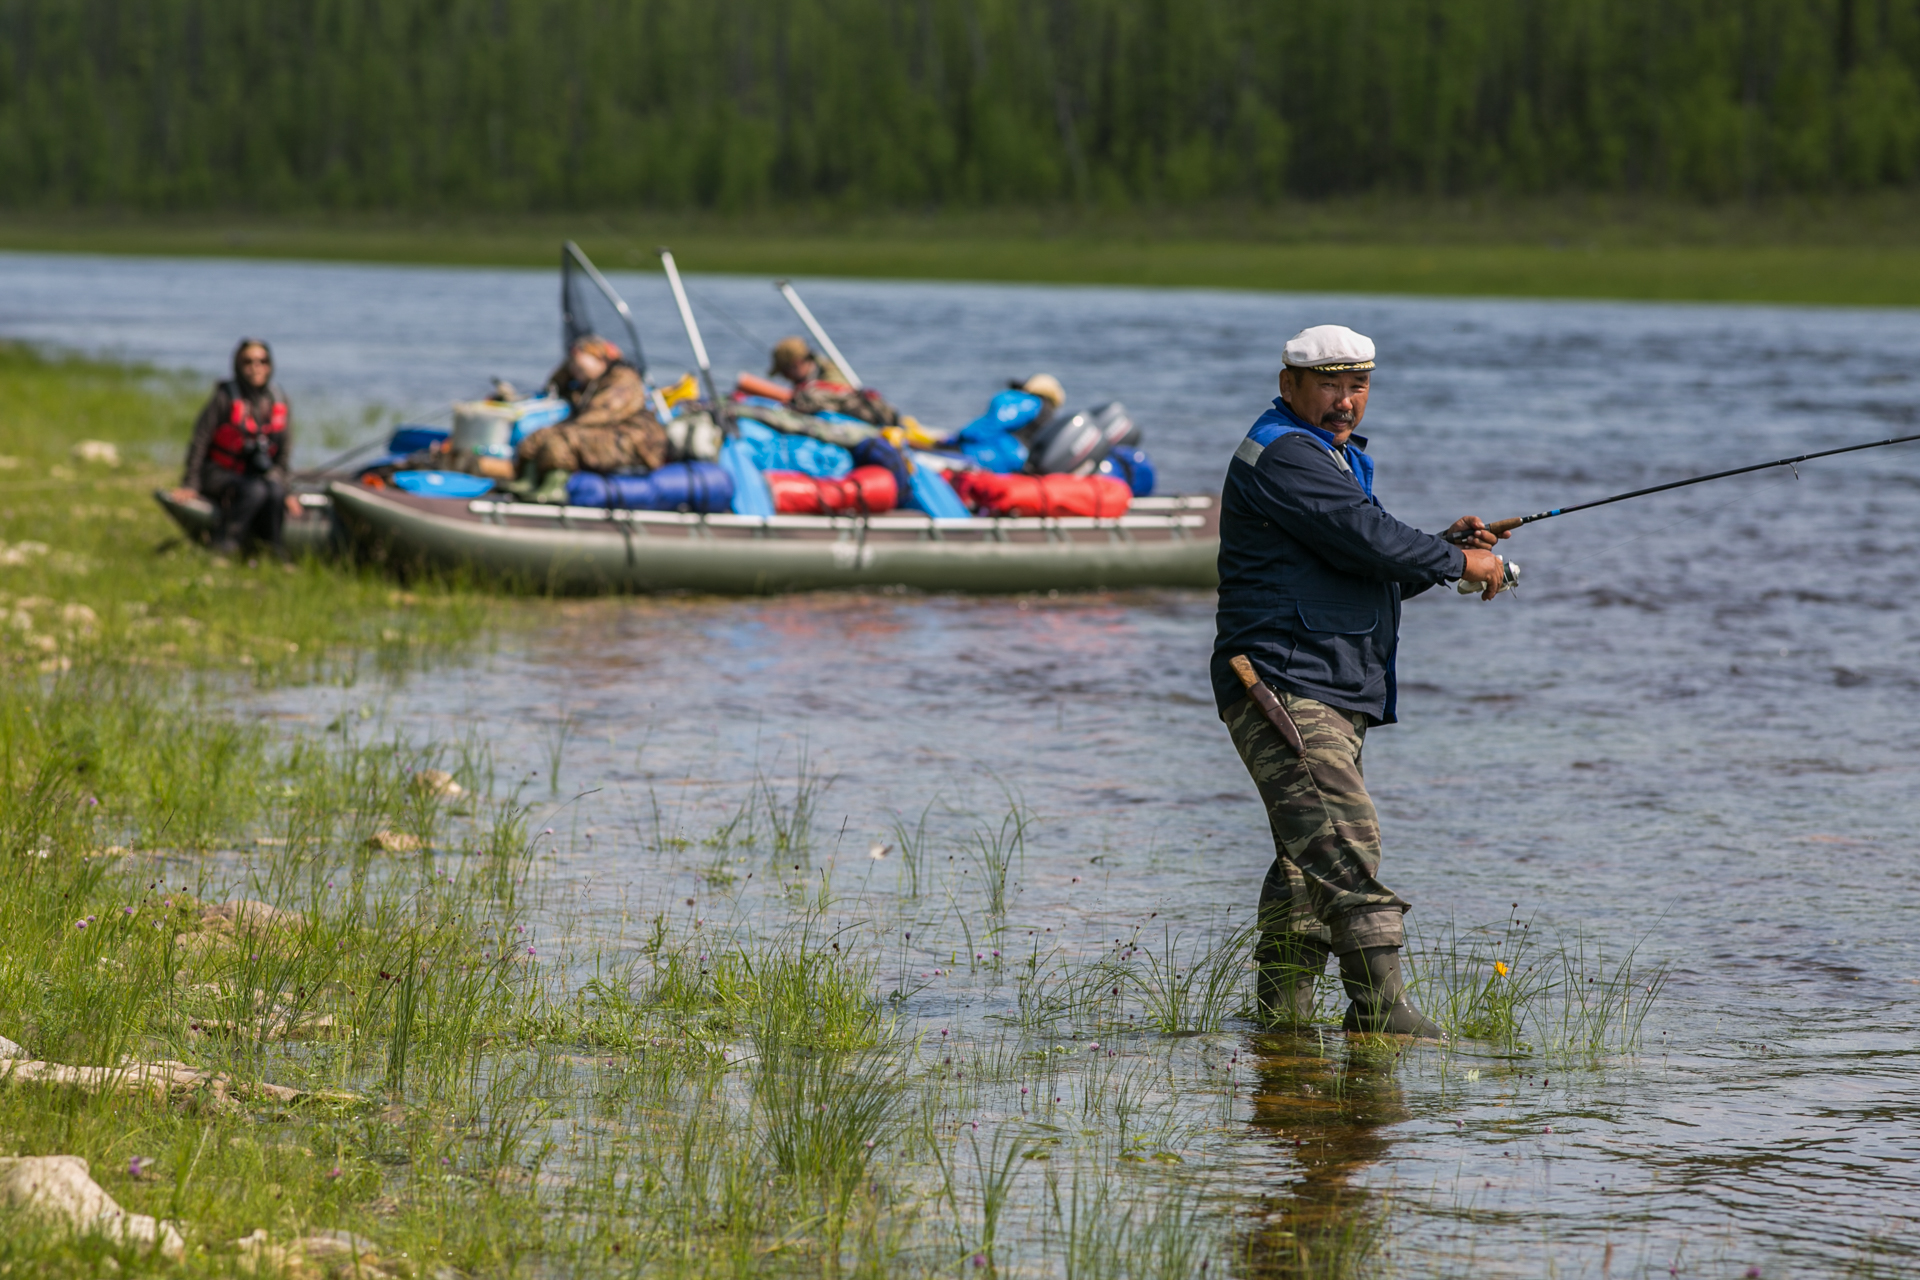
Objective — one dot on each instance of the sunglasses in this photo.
(257, 360)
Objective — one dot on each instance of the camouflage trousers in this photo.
(1326, 837)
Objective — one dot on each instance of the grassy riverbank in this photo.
(125, 780)
(1863, 250)
(274, 981)
(91, 569)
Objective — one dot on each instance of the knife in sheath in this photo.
(1269, 705)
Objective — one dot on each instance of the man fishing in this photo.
(1312, 573)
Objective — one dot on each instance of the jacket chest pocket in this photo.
(1334, 618)
(1340, 636)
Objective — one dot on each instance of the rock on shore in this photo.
(61, 1189)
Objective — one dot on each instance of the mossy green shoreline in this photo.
(1858, 251)
(276, 980)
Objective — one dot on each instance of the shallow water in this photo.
(1693, 726)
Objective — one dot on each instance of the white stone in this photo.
(244, 915)
(60, 1189)
(341, 1252)
(99, 452)
(437, 782)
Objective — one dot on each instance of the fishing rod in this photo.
(792, 296)
(1514, 522)
(335, 463)
(693, 334)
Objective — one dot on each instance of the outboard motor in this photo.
(1118, 425)
(1077, 445)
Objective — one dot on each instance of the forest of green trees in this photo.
(507, 105)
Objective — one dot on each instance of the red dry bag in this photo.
(1018, 495)
(862, 491)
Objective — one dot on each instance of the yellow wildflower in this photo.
(1500, 967)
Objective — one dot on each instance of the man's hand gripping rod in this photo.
(1509, 579)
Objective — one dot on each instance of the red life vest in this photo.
(229, 445)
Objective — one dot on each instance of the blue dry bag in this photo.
(678, 486)
(879, 452)
(780, 451)
(1125, 462)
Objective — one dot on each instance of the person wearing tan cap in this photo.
(819, 387)
(1312, 573)
(801, 365)
(1048, 388)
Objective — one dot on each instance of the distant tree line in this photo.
(741, 104)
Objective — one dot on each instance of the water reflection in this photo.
(1327, 1103)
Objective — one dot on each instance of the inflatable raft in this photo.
(311, 533)
(1160, 542)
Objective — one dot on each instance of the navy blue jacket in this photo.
(1312, 569)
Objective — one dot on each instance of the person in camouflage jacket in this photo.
(612, 427)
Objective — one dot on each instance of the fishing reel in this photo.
(1509, 579)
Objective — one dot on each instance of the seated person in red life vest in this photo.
(818, 387)
(238, 457)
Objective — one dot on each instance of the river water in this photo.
(1694, 727)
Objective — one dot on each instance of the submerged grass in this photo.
(1571, 1000)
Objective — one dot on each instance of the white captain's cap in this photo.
(1330, 348)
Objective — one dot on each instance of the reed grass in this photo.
(1570, 1000)
(911, 842)
(995, 849)
(1192, 992)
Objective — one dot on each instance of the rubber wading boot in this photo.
(1372, 979)
(1289, 969)
(552, 488)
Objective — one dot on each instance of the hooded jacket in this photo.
(1313, 569)
(200, 474)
